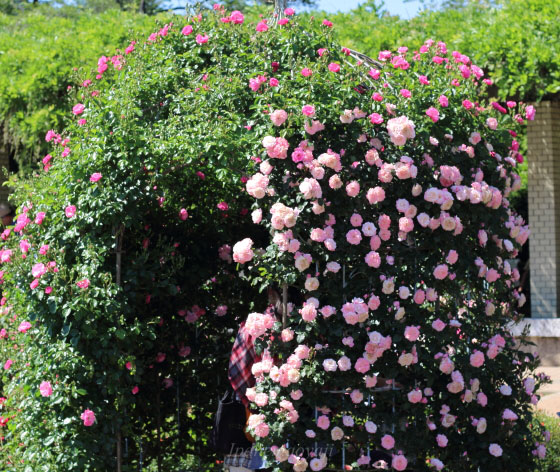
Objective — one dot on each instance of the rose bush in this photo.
(395, 180)
(379, 190)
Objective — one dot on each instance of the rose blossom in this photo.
(242, 251)
(387, 441)
(88, 417)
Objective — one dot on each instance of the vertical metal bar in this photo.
(284, 305)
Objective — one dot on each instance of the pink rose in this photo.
(477, 358)
(262, 26)
(278, 117)
(375, 195)
(353, 188)
(84, 283)
(411, 333)
(78, 109)
(46, 389)
(88, 417)
(334, 67)
(308, 110)
(443, 101)
(242, 251)
(415, 396)
(433, 113)
(441, 440)
(70, 211)
(354, 236)
(495, 450)
(438, 325)
(441, 271)
(399, 462)
(187, 30)
(323, 422)
(201, 39)
(362, 365)
(95, 177)
(24, 326)
(387, 441)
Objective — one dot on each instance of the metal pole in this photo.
(284, 306)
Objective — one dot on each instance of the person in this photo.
(7, 214)
(240, 375)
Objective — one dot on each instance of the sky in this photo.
(395, 7)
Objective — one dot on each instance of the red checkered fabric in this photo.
(242, 358)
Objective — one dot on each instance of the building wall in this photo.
(543, 142)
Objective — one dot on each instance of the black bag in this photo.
(228, 433)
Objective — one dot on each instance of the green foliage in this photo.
(551, 462)
(39, 52)
(515, 41)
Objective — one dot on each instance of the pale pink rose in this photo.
(399, 462)
(415, 396)
(261, 399)
(354, 236)
(495, 450)
(387, 441)
(257, 185)
(441, 271)
(411, 333)
(287, 335)
(356, 396)
(344, 363)
(446, 365)
(362, 365)
(337, 434)
(242, 251)
(46, 389)
(441, 440)
(308, 313)
(258, 323)
(335, 182)
(310, 188)
(477, 358)
(311, 284)
(373, 259)
(492, 123)
(296, 394)
(356, 220)
(369, 229)
(88, 417)
(400, 129)
(509, 415)
(482, 399)
(452, 257)
(261, 430)
(278, 117)
(438, 325)
(352, 188)
(423, 219)
(375, 195)
(330, 365)
(406, 225)
(436, 463)
(419, 296)
(256, 216)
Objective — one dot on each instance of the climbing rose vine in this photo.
(378, 189)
